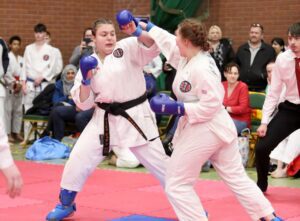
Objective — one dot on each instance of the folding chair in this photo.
(257, 100)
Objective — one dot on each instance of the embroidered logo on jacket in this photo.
(185, 86)
(118, 53)
(46, 57)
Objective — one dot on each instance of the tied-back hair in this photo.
(195, 32)
(101, 21)
(230, 65)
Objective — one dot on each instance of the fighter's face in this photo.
(181, 44)
(105, 39)
(294, 44)
(255, 35)
(232, 75)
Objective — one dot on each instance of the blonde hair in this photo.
(214, 27)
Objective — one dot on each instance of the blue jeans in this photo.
(240, 125)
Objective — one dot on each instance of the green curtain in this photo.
(169, 13)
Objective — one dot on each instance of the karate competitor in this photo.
(205, 131)
(8, 167)
(14, 95)
(118, 87)
(39, 61)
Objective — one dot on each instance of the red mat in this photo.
(112, 194)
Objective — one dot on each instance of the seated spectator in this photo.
(236, 98)
(64, 109)
(154, 67)
(286, 151)
(221, 49)
(278, 45)
(123, 157)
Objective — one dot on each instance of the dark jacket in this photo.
(227, 56)
(255, 76)
(42, 104)
(59, 96)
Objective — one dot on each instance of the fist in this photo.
(86, 64)
(124, 17)
(163, 104)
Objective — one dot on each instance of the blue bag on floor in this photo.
(47, 148)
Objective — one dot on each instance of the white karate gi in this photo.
(6, 159)
(205, 132)
(13, 102)
(118, 79)
(37, 63)
(2, 88)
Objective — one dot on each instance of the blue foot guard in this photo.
(64, 209)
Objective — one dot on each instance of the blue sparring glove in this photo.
(163, 104)
(86, 64)
(124, 17)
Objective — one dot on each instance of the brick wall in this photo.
(234, 17)
(67, 19)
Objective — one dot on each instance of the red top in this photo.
(239, 102)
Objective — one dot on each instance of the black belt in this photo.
(116, 109)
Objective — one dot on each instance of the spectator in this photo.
(252, 57)
(64, 109)
(278, 45)
(14, 96)
(220, 48)
(154, 67)
(285, 153)
(236, 98)
(4, 61)
(123, 157)
(7, 166)
(37, 73)
(86, 47)
(58, 66)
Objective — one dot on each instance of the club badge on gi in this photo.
(46, 57)
(118, 53)
(185, 86)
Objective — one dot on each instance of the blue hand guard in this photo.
(124, 17)
(163, 104)
(86, 64)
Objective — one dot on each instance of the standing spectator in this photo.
(286, 74)
(278, 45)
(252, 57)
(14, 96)
(220, 48)
(86, 47)
(4, 61)
(58, 66)
(39, 61)
(236, 98)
